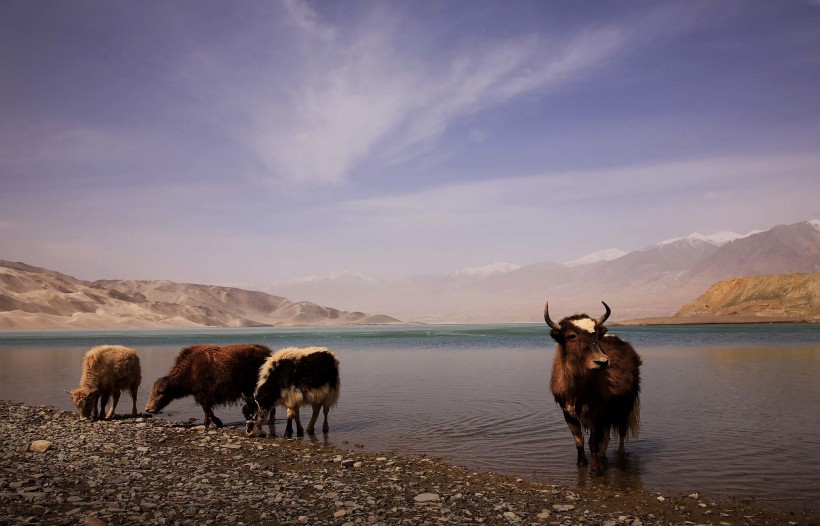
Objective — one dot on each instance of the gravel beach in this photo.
(58, 469)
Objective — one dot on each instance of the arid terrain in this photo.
(37, 298)
(778, 298)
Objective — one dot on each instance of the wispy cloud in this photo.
(366, 95)
(550, 208)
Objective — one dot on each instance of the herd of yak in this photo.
(595, 380)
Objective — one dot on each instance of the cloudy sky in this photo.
(253, 142)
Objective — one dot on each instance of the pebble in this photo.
(39, 446)
(563, 507)
(427, 497)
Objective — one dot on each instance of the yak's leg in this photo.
(578, 435)
(210, 417)
(313, 417)
(289, 425)
(293, 414)
(596, 436)
(133, 390)
(605, 443)
(270, 421)
(103, 403)
(115, 399)
(325, 427)
(217, 422)
(95, 398)
(623, 429)
(300, 431)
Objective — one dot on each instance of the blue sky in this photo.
(253, 142)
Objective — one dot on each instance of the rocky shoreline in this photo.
(58, 469)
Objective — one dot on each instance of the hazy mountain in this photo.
(654, 281)
(602, 255)
(486, 271)
(37, 298)
(792, 248)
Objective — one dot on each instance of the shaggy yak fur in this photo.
(213, 375)
(293, 377)
(107, 371)
(596, 381)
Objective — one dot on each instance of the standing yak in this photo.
(596, 382)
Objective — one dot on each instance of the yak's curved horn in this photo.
(547, 319)
(603, 318)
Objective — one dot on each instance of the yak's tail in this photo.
(633, 426)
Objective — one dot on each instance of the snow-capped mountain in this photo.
(609, 254)
(487, 270)
(654, 281)
(717, 239)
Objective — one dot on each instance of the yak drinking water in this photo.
(107, 371)
(213, 375)
(293, 377)
(596, 382)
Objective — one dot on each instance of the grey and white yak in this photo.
(294, 377)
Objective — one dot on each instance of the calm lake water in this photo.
(725, 410)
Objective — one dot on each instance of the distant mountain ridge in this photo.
(37, 298)
(654, 281)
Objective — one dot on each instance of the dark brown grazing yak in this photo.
(596, 381)
(213, 375)
(293, 377)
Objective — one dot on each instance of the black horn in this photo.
(603, 318)
(547, 319)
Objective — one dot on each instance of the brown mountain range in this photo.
(37, 298)
(755, 299)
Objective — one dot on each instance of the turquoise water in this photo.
(726, 410)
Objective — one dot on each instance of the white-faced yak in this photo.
(596, 382)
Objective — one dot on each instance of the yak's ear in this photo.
(602, 330)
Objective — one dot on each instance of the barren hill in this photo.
(38, 298)
(794, 296)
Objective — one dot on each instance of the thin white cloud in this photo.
(568, 210)
(367, 96)
(305, 18)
